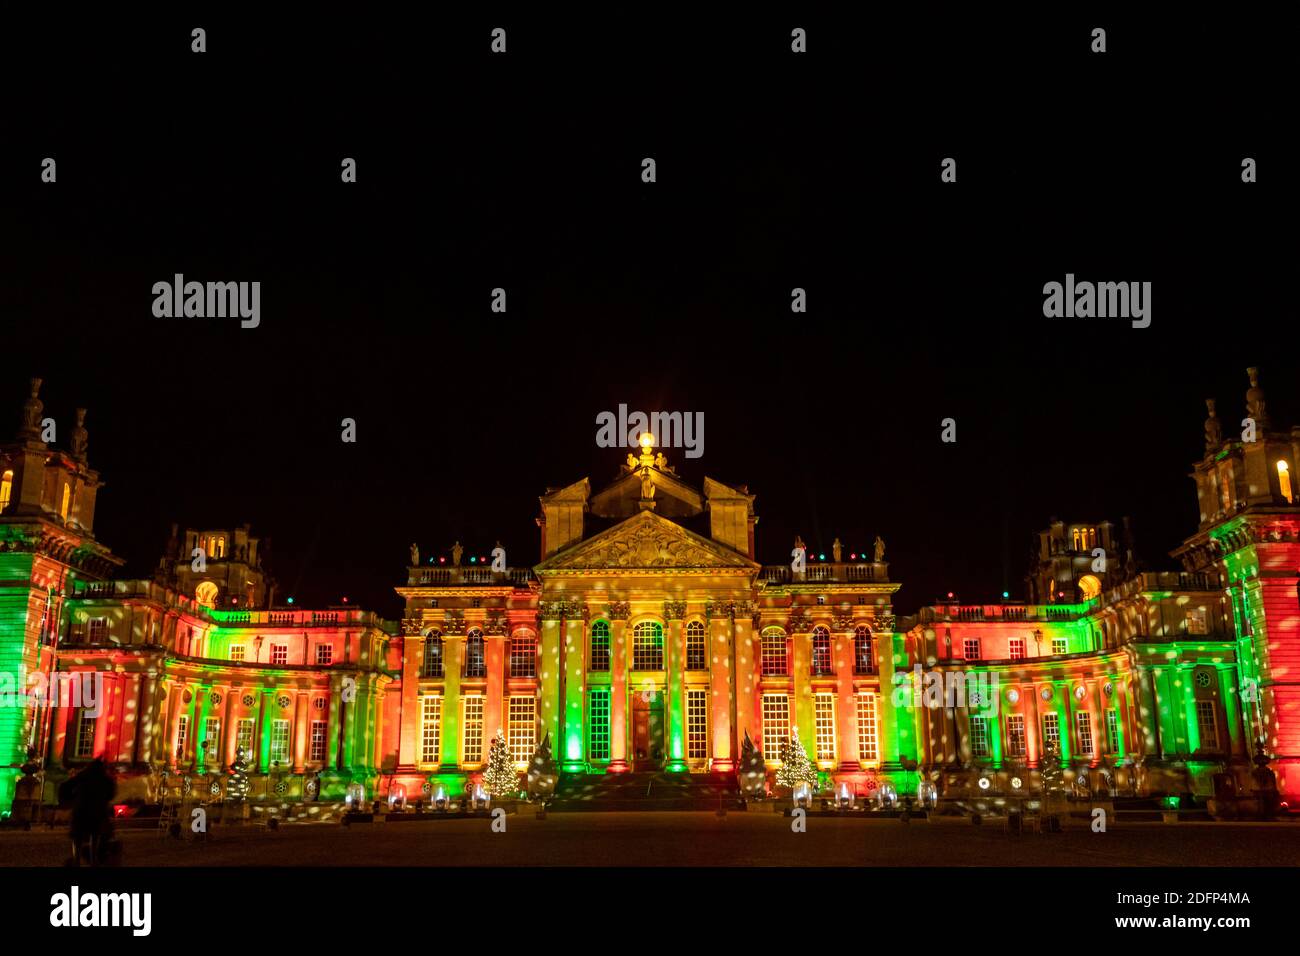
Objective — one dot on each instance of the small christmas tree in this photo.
(795, 767)
(501, 779)
(237, 786)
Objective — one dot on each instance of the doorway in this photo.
(647, 730)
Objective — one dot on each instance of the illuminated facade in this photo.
(648, 638)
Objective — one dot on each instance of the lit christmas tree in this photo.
(501, 779)
(795, 767)
(237, 786)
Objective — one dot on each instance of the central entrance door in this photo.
(647, 730)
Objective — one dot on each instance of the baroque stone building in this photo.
(647, 638)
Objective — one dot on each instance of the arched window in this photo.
(475, 660)
(431, 665)
(774, 656)
(648, 646)
(523, 654)
(600, 646)
(67, 500)
(6, 488)
(219, 547)
(821, 651)
(1284, 480)
(864, 662)
(697, 658)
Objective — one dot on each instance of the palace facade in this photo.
(648, 638)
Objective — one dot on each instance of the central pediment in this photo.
(647, 542)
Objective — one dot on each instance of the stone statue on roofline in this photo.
(415, 554)
(456, 552)
(880, 549)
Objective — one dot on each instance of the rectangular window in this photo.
(244, 736)
(600, 646)
(318, 732)
(970, 648)
(1016, 648)
(1083, 725)
(1060, 645)
(697, 724)
(824, 716)
(86, 736)
(211, 737)
(821, 651)
(522, 735)
(1016, 735)
(182, 733)
(1207, 725)
(236, 652)
(598, 724)
(697, 658)
(98, 629)
(776, 724)
(280, 742)
(472, 728)
(1196, 621)
(430, 728)
(648, 647)
(1052, 729)
(279, 653)
(979, 736)
(1112, 731)
(774, 654)
(867, 727)
(325, 654)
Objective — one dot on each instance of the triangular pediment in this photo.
(647, 542)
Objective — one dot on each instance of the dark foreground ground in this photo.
(688, 839)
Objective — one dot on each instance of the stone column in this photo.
(453, 651)
(802, 708)
(675, 689)
(748, 658)
(719, 627)
(301, 730)
(408, 735)
(572, 750)
(619, 611)
(265, 701)
(846, 717)
(146, 719)
(333, 755)
(494, 647)
(548, 676)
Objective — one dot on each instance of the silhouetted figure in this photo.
(91, 794)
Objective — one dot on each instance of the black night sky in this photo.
(523, 171)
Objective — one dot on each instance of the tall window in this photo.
(1225, 489)
(648, 646)
(430, 728)
(431, 665)
(1016, 735)
(697, 658)
(211, 737)
(244, 736)
(864, 662)
(1052, 729)
(600, 646)
(6, 488)
(324, 654)
(472, 728)
(67, 500)
(85, 736)
(182, 735)
(970, 648)
(318, 731)
(522, 734)
(776, 724)
(821, 651)
(1207, 725)
(979, 736)
(279, 653)
(98, 630)
(697, 724)
(598, 724)
(867, 736)
(1284, 480)
(280, 742)
(523, 656)
(774, 658)
(825, 718)
(1016, 648)
(475, 659)
(1083, 725)
(1112, 730)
